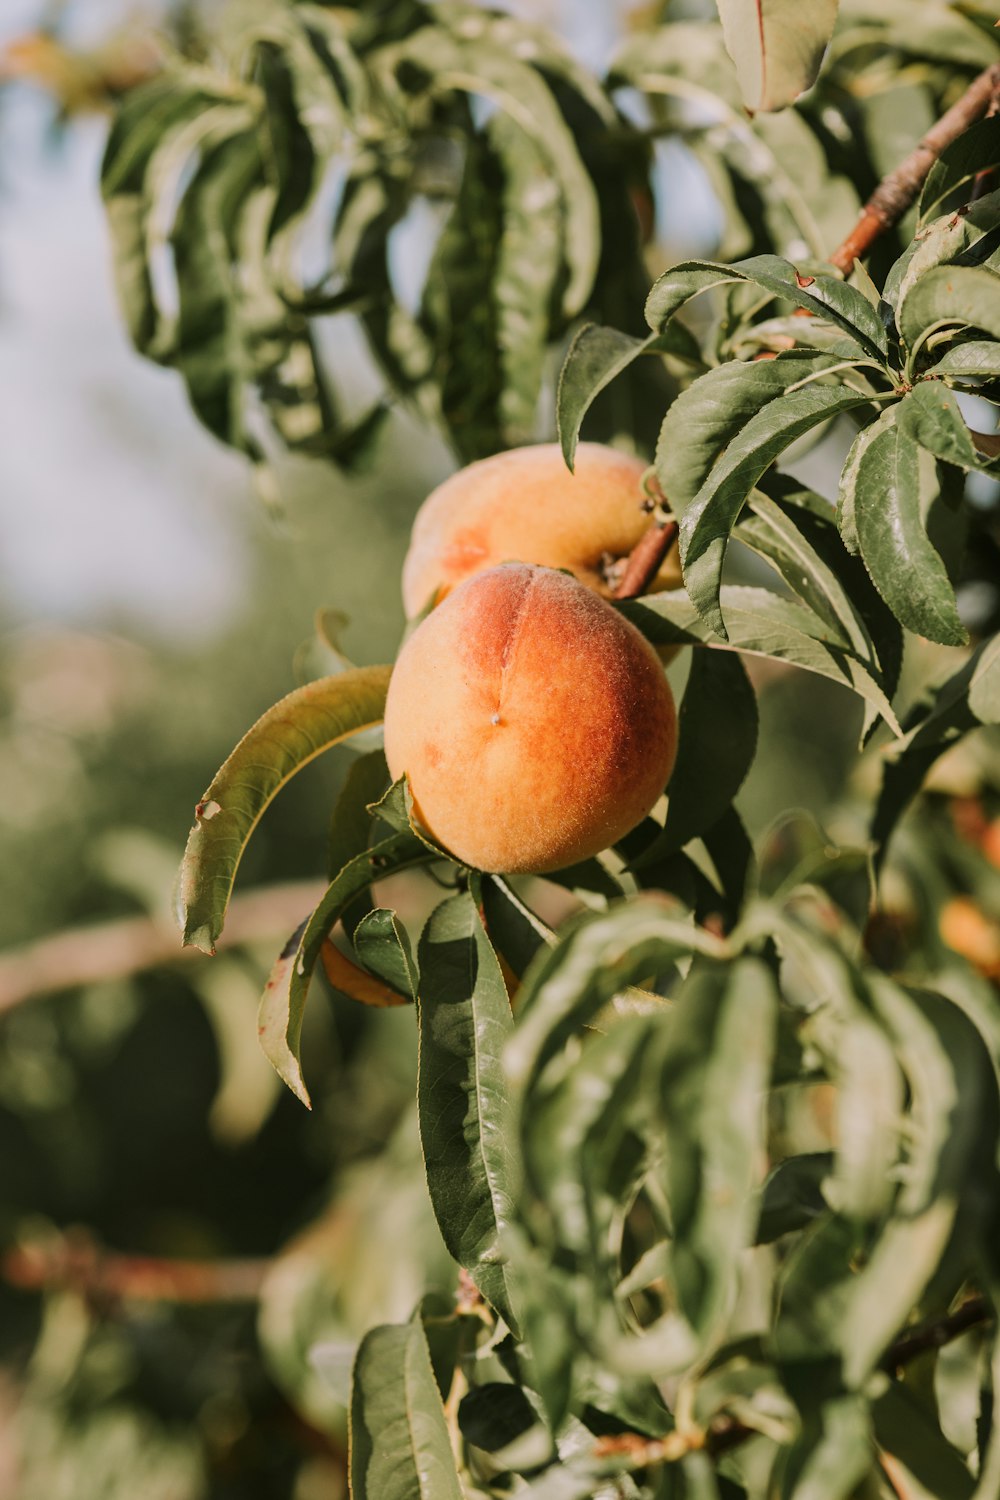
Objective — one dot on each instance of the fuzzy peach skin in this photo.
(534, 723)
(526, 506)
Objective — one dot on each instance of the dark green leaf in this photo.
(948, 183)
(279, 1022)
(298, 728)
(513, 928)
(792, 1196)
(594, 358)
(707, 523)
(824, 296)
(381, 943)
(714, 409)
(895, 486)
(931, 416)
(717, 741)
(464, 1020)
(906, 1429)
(399, 1445)
(351, 822)
(761, 624)
(967, 699)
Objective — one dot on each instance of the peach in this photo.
(534, 723)
(526, 506)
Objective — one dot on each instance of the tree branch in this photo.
(646, 559)
(895, 193)
(115, 950)
(74, 1260)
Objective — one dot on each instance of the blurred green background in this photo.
(151, 610)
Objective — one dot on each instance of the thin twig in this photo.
(75, 1261)
(646, 559)
(116, 950)
(896, 192)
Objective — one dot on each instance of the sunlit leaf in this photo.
(288, 736)
(777, 46)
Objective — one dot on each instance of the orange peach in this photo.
(526, 506)
(534, 723)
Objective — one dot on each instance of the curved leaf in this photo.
(279, 1020)
(950, 177)
(824, 296)
(761, 623)
(930, 415)
(707, 523)
(715, 408)
(896, 484)
(464, 1019)
(966, 296)
(298, 728)
(596, 355)
(777, 46)
(399, 1448)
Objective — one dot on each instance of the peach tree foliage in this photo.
(665, 1295)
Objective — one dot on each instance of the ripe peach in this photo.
(526, 506)
(534, 722)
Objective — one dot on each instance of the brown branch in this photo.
(115, 950)
(74, 1261)
(896, 192)
(646, 559)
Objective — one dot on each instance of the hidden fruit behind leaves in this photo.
(534, 723)
(526, 506)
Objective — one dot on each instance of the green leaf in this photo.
(966, 239)
(720, 1046)
(977, 358)
(761, 624)
(952, 1098)
(399, 1445)
(824, 296)
(970, 697)
(529, 259)
(473, 64)
(459, 312)
(596, 355)
(706, 417)
(514, 929)
(894, 489)
(464, 1019)
(792, 1196)
(947, 184)
(351, 823)
(931, 416)
(906, 1429)
(963, 296)
(794, 529)
(832, 1455)
(381, 942)
(717, 741)
(596, 956)
(707, 523)
(279, 1022)
(777, 46)
(297, 729)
